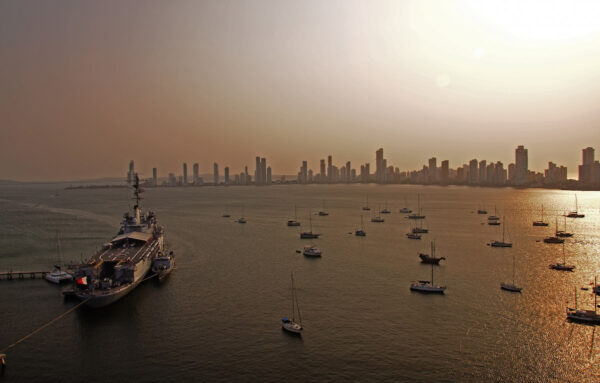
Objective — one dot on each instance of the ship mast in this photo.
(136, 192)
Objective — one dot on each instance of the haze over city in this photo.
(88, 86)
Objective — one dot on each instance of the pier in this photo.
(10, 275)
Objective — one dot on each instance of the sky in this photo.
(86, 86)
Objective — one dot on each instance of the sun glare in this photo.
(540, 20)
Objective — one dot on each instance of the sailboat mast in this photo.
(432, 274)
(513, 269)
(297, 306)
(295, 215)
(293, 312)
(504, 219)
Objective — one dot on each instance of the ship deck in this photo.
(131, 247)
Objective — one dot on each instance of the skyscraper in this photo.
(521, 166)
(263, 169)
(257, 173)
(473, 172)
(269, 176)
(323, 174)
(330, 169)
(227, 175)
(216, 173)
(196, 173)
(185, 180)
(482, 172)
(379, 166)
(586, 169)
(445, 171)
(348, 172)
(154, 177)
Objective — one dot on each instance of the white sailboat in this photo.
(291, 325)
(541, 221)
(575, 213)
(294, 222)
(323, 212)
(309, 234)
(562, 266)
(366, 207)
(501, 243)
(58, 275)
(419, 214)
(378, 218)
(427, 286)
(405, 209)
(511, 286)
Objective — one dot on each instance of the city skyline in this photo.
(87, 86)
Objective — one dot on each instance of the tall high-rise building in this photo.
(521, 166)
(263, 170)
(269, 176)
(322, 174)
(185, 180)
(445, 171)
(216, 173)
(330, 169)
(227, 181)
(303, 175)
(473, 172)
(379, 166)
(196, 173)
(154, 177)
(131, 173)
(586, 169)
(348, 172)
(257, 172)
(246, 176)
(432, 171)
(482, 172)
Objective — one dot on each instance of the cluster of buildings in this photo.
(475, 172)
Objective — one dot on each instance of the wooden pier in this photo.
(10, 275)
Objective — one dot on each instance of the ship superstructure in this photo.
(124, 261)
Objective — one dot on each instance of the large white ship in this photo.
(122, 263)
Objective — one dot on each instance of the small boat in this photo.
(309, 234)
(482, 211)
(562, 233)
(556, 238)
(541, 221)
(323, 213)
(418, 229)
(418, 215)
(501, 243)
(562, 266)
(511, 286)
(405, 209)
(163, 265)
(425, 258)
(290, 325)
(413, 236)
(57, 275)
(377, 218)
(242, 219)
(583, 316)
(366, 207)
(311, 251)
(225, 215)
(294, 222)
(494, 217)
(427, 286)
(575, 213)
(361, 232)
(385, 210)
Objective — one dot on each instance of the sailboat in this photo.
(366, 207)
(425, 258)
(377, 218)
(418, 215)
(361, 232)
(294, 222)
(412, 235)
(556, 238)
(58, 275)
(563, 233)
(323, 212)
(385, 209)
(482, 210)
(419, 229)
(562, 266)
(290, 325)
(494, 217)
(242, 219)
(501, 243)
(226, 214)
(427, 286)
(405, 209)
(575, 214)
(584, 316)
(541, 222)
(309, 234)
(511, 286)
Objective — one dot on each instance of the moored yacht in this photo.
(426, 258)
(311, 251)
(496, 243)
(583, 316)
(427, 286)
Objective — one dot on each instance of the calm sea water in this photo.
(217, 318)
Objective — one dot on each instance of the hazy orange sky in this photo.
(87, 86)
